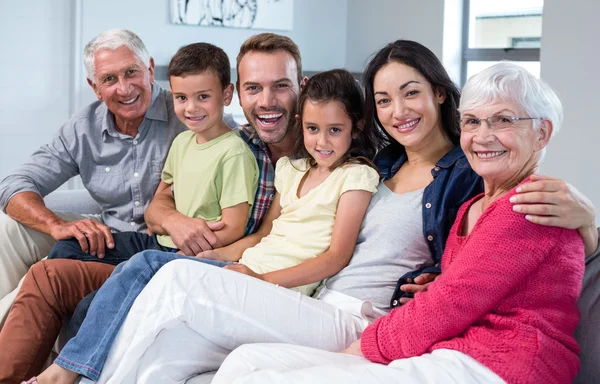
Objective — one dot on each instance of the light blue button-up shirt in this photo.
(120, 172)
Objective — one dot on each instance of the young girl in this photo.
(307, 236)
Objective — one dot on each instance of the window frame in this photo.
(489, 54)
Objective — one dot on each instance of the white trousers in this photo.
(192, 315)
(20, 248)
(283, 363)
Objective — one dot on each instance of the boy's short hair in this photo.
(269, 43)
(196, 58)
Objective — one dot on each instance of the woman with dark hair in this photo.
(179, 326)
(505, 308)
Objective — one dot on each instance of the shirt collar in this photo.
(156, 111)
(253, 137)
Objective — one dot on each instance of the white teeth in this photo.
(196, 118)
(271, 116)
(489, 154)
(325, 152)
(408, 125)
(129, 101)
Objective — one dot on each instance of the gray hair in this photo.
(507, 81)
(113, 39)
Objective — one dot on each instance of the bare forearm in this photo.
(233, 252)
(29, 209)
(316, 269)
(159, 212)
(590, 239)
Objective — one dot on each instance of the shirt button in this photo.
(136, 174)
(132, 224)
(135, 142)
(395, 302)
(107, 169)
(428, 205)
(430, 238)
(137, 203)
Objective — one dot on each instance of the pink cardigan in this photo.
(507, 297)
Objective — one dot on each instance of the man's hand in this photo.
(421, 284)
(192, 236)
(241, 268)
(354, 349)
(551, 201)
(92, 236)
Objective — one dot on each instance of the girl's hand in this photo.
(211, 255)
(241, 268)
(353, 349)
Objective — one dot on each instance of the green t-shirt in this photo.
(209, 177)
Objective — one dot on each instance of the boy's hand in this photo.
(241, 268)
(193, 236)
(421, 285)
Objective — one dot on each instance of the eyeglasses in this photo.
(498, 122)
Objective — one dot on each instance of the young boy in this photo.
(211, 172)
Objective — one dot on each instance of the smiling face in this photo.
(268, 90)
(503, 155)
(407, 106)
(327, 131)
(124, 83)
(199, 100)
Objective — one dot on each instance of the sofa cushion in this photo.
(588, 333)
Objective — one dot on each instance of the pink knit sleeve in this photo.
(500, 253)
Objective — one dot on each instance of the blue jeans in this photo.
(86, 353)
(127, 244)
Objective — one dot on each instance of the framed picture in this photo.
(256, 14)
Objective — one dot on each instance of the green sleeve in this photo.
(239, 177)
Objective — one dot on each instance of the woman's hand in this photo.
(421, 284)
(241, 268)
(551, 201)
(354, 349)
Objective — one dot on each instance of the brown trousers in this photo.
(51, 290)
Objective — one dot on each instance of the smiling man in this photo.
(269, 70)
(116, 144)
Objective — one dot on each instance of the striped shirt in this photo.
(266, 188)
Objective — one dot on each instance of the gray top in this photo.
(120, 172)
(390, 244)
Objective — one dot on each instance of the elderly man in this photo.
(117, 145)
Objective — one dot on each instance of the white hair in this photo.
(509, 82)
(113, 39)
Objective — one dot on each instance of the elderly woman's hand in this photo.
(551, 201)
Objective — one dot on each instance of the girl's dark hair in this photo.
(338, 85)
(420, 58)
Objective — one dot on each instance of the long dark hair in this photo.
(338, 85)
(420, 58)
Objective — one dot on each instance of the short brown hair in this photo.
(199, 57)
(268, 43)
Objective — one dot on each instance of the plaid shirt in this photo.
(266, 177)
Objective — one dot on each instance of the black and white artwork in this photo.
(256, 14)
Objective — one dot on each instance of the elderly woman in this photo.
(505, 307)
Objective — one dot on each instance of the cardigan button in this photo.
(395, 302)
(428, 205)
(437, 169)
(430, 238)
